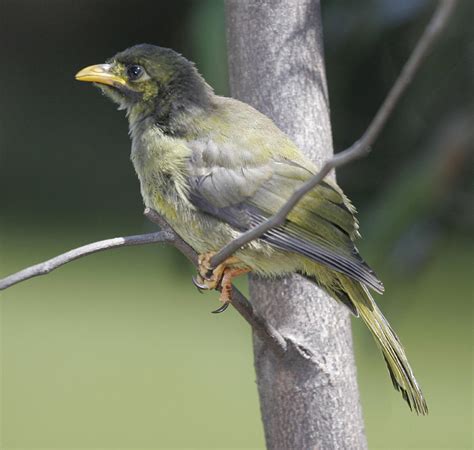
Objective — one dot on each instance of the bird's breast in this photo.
(160, 163)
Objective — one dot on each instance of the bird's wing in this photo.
(321, 227)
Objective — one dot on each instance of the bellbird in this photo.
(215, 167)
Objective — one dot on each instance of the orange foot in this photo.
(219, 278)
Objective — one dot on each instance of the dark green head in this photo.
(147, 80)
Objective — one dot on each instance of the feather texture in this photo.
(399, 368)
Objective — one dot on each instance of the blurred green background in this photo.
(117, 350)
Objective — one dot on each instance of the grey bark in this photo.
(277, 65)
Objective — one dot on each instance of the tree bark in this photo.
(310, 399)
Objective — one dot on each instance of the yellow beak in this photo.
(100, 73)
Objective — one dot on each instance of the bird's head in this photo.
(147, 80)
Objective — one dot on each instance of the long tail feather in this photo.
(400, 371)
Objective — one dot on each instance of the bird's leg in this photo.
(219, 278)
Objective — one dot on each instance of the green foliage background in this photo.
(118, 350)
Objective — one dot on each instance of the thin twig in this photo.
(51, 264)
(360, 148)
(167, 235)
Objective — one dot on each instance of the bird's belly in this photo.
(202, 232)
(204, 236)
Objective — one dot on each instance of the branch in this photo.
(360, 148)
(167, 235)
(51, 264)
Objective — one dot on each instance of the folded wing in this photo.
(321, 227)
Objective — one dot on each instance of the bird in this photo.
(215, 167)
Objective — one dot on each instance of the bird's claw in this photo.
(200, 286)
(221, 309)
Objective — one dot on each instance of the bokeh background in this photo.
(117, 350)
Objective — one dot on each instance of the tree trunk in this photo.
(309, 400)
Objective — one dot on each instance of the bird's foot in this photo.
(209, 278)
(219, 278)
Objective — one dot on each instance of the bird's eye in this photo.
(134, 72)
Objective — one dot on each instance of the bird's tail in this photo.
(400, 371)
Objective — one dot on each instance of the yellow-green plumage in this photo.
(214, 167)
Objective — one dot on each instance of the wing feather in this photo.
(321, 227)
